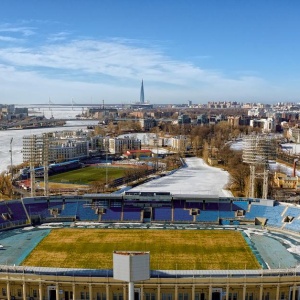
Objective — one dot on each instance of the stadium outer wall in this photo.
(26, 283)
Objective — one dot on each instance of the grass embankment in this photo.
(88, 175)
(169, 249)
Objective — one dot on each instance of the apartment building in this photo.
(120, 145)
(180, 143)
(59, 146)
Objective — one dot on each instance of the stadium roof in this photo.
(153, 273)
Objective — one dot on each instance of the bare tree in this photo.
(6, 188)
(98, 186)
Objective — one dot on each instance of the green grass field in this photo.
(169, 249)
(87, 175)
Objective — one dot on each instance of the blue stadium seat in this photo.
(240, 205)
(69, 209)
(255, 211)
(132, 214)
(112, 214)
(86, 212)
(182, 215)
(208, 216)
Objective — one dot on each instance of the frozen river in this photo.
(17, 135)
(195, 178)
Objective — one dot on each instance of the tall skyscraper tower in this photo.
(142, 98)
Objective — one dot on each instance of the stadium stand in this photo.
(273, 215)
(132, 214)
(69, 209)
(17, 210)
(208, 216)
(162, 214)
(85, 212)
(37, 209)
(238, 205)
(5, 214)
(194, 205)
(12, 212)
(112, 214)
(181, 214)
(294, 225)
(211, 206)
(226, 214)
(117, 208)
(255, 211)
(293, 212)
(224, 206)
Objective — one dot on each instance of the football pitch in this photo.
(169, 249)
(87, 175)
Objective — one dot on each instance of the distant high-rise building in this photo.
(142, 97)
(142, 104)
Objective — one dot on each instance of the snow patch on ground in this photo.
(196, 178)
(294, 249)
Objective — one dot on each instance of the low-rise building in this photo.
(10, 112)
(202, 119)
(286, 181)
(68, 150)
(293, 134)
(234, 121)
(119, 145)
(102, 114)
(267, 125)
(147, 124)
(180, 143)
(140, 154)
(184, 119)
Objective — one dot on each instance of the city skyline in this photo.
(194, 50)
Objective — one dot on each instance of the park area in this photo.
(169, 249)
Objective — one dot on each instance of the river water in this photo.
(17, 135)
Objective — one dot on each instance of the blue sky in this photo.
(202, 51)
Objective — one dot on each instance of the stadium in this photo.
(26, 222)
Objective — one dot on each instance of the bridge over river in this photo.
(44, 123)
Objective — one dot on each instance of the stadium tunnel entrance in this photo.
(216, 294)
(136, 294)
(51, 293)
(54, 294)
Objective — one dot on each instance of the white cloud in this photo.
(108, 58)
(24, 31)
(4, 38)
(58, 37)
(114, 69)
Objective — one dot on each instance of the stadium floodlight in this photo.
(131, 266)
